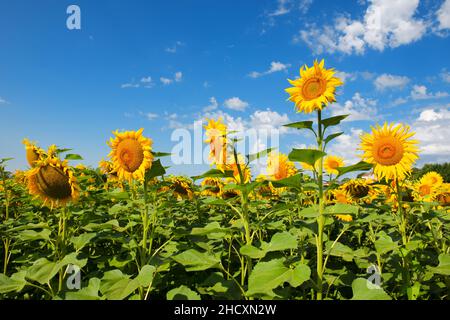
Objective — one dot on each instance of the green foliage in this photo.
(442, 168)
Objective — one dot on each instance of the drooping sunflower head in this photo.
(212, 187)
(331, 163)
(341, 196)
(314, 89)
(432, 178)
(131, 154)
(181, 187)
(33, 152)
(443, 194)
(216, 132)
(279, 167)
(357, 188)
(53, 181)
(391, 150)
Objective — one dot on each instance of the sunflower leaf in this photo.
(333, 121)
(360, 166)
(73, 156)
(254, 156)
(301, 125)
(309, 156)
(161, 154)
(332, 136)
(156, 170)
(214, 173)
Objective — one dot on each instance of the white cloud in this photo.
(386, 23)
(235, 103)
(178, 76)
(445, 75)
(346, 146)
(206, 84)
(432, 131)
(130, 85)
(389, 81)
(275, 66)
(165, 81)
(443, 15)
(269, 120)
(399, 101)
(358, 107)
(3, 101)
(175, 47)
(282, 8)
(304, 6)
(346, 76)
(149, 115)
(213, 105)
(421, 93)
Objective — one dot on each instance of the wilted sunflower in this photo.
(33, 152)
(131, 154)
(212, 187)
(331, 163)
(314, 89)
(53, 181)
(432, 178)
(181, 187)
(279, 167)
(390, 150)
(357, 188)
(216, 137)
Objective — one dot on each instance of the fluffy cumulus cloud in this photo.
(178, 76)
(386, 23)
(358, 108)
(213, 105)
(443, 15)
(419, 92)
(236, 104)
(389, 81)
(275, 66)
(432, 131)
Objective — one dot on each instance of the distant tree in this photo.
(442, 168)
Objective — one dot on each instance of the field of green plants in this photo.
(309, 229)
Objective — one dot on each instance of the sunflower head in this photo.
(131, 154)
(390, 149)
(314, 89)
(279, 167)
(432, 178)
(356, 188)
(443, 194)
(216, 137)
(212, 187)
(181, 187)
(423, 190)
(341, 196)
(331, 163)
(53, 181)
(344, 217)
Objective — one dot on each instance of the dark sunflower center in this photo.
(313, 88)
(54, 182)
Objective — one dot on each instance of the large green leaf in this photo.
(182, 293)
(73, 156)
(279, 242)
(365, 290)
(309, 156)
(14, 283)
(214, 173)
(261, 154)
(79, 242)
(360, 166)
(342, 208)
(300, 125)
(194, 260)
(384, 243)
(333, 121)
(269, 275)
(155, 170)
(87, 293)
(444, 265)
(331, 137)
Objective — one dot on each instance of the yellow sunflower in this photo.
(212, 187)
(216, 137)
(341, 196)
(279, 167)
(234, 166)
(181, 187)
(391, 150)
(33, 152)
(131, 154)
(433, 178)
(53, 181)
(443, 194)
(424, 190)
(314, 89)
(357, 188)
(330, 164)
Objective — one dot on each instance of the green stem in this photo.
(61, 247)
(320, 218)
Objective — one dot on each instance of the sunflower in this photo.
(33, 152)
(181, 187)
(443, 194)
(341, 196)
(432, 178)
(53, 181)
(390, 150)
(314, 89)
(212, 187)
(357, 188)
(216, 137)
(331, 163)
(131, 154)
(279, 167)
(267, 190)
(234, 166)
(425, 190)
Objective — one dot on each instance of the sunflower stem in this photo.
(320, 218)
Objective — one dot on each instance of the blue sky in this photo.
(162, 65)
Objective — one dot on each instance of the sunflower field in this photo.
(311, 228)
